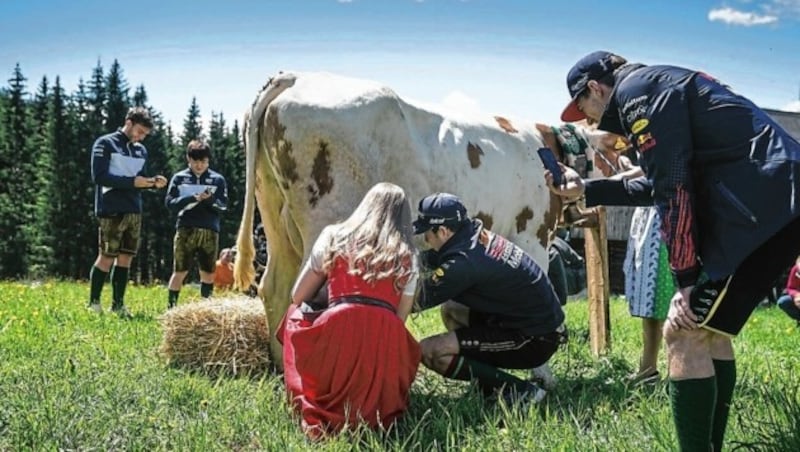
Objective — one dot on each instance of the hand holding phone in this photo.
(551, 164)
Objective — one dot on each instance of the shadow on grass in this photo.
(777, 426)
(590, 388)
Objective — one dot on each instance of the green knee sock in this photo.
(726, 380)
(119, 281)
(206, 289)
(489, 377)
(693, 411)
(173, 298)
(97, 278)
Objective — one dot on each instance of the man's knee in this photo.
(454, 315)
(437, 351)
(676, 337)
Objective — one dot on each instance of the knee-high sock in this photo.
(172, 299)
(489, 377)
(693, 404)
(119, 281)
(206, 289)
(726, 381)
(97, 278)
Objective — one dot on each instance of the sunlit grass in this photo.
(74, 380)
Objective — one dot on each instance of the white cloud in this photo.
(344, 1)
(792, 106)
(732, 16)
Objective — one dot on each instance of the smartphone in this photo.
(551, 164)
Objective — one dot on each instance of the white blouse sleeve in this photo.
(317, 256)
(411, 285)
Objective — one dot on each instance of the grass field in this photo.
(74, 380)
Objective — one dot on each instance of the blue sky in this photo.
(504, 57)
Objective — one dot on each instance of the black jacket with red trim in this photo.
(490, 274)
(724, 176)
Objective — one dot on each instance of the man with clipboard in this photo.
(198, 195)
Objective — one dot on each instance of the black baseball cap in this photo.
(593, 66)
(439, 209)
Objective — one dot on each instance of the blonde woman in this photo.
(352, 360)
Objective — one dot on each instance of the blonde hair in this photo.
(376, 240)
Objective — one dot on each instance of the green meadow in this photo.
(74, 380)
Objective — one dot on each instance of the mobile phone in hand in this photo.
(551, 164)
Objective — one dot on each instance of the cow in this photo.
(316, 142)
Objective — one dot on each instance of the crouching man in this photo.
(498, 306)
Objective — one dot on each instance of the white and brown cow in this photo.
(316, 142)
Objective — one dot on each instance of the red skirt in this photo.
(353, 364)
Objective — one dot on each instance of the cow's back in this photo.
(333, 138)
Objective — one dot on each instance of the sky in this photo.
(497, 57)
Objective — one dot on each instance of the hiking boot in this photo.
(544, 377)
(122, 312)
(95, 307)
(522, 399)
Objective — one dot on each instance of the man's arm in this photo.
(627, 192)
(101, 162)
(665, 147)
(445, 282)
(101, 174)
(220, 198)
(174, 202)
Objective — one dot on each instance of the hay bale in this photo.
(224, 336)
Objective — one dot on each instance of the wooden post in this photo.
(597, 282)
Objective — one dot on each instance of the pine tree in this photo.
(139, 97)
(85, 130)
(228, 161)
(192, 128)
(17, 198)
(155, 253)
(44, 188)
(96, 103)
(117, 102)
(70, 178)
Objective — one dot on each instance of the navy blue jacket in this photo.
(489, 274)
(116, 162)
(722, 173)
(192, 214)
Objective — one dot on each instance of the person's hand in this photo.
(143, 182)
(572, 188)
(796, 300)
(680, 315)
(203, 195)
(160, 181)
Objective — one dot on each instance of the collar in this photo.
(611, 120)
(124, 138)
(464, 239)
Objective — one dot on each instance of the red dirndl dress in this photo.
(354, 363)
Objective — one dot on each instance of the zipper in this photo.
(735, 201)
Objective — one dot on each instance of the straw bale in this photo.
(221, 336)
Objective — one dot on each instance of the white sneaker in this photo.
(95, 307)
(531, 395)
(544, 375)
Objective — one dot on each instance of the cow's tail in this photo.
(244, 272)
